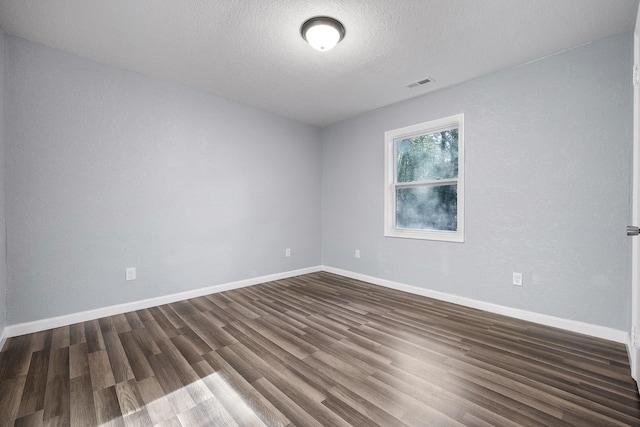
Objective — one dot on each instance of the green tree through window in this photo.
(431, 157)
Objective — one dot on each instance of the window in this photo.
(424, 181)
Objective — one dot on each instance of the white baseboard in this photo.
(3, 338)
(543, 319)
(570, 325)
(70, 319)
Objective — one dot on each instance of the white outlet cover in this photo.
(517, 279)
(130, 273)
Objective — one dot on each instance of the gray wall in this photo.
(3, 239)
(107, 169)
(548, 167)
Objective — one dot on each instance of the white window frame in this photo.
(390, 138)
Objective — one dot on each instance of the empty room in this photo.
(328, 213)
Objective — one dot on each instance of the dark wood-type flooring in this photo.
(314, 350)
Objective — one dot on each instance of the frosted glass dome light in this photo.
(322, 32)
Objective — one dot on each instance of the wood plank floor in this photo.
(314, 350)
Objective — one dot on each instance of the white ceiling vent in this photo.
(419, 83)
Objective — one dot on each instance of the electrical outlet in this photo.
(517, 279)
(287, 252)
(357, 253)
(130, 273)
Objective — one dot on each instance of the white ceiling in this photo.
(251, 50)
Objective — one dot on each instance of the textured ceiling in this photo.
(251, 50)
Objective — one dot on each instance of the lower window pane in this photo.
(427, 208)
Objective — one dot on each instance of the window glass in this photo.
(426, 157)
(427, 208)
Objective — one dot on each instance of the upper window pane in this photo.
(427, 157)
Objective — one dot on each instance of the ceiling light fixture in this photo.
(322, 32)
